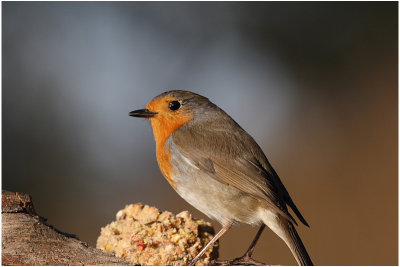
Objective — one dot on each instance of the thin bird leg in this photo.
(225, 228)
(250, 250)
(246, 258)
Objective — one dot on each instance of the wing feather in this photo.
(231, 160)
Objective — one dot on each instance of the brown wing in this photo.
(232, 158)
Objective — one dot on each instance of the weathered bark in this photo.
(28, 240)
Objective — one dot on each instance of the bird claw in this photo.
(244, 261)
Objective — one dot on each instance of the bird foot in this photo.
(244, 261)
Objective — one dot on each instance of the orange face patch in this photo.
(164, 124)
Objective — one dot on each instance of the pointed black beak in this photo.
(142, 113)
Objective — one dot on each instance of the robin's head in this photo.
(170, 110)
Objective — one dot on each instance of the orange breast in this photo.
(163, 158)
(164, 124)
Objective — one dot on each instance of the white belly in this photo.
(217, 200)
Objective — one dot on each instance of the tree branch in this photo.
(28, 240)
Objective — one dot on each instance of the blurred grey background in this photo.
(314, 83)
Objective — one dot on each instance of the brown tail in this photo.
(296, 246)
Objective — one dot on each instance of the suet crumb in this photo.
(142, 235)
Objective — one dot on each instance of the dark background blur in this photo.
(314, 83)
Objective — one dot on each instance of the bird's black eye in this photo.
(174, 105)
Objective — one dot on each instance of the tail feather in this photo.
(286, 230)
(296, 246)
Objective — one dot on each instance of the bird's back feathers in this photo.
(222, 148)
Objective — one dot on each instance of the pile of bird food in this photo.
(142, 235)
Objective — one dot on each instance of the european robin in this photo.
(219, 169)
